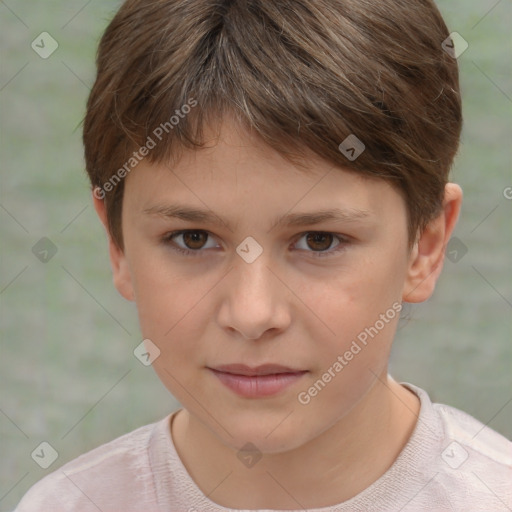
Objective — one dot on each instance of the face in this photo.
(319, 297)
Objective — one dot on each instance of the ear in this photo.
(427, 255)
(120, 268)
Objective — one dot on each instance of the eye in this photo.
(194, 242)
(320, 241)
(192, 239)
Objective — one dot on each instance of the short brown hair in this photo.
(300, 73)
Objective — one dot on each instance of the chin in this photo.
(267, 439)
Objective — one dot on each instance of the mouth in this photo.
(257, 382)
(262, 370)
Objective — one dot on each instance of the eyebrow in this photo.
(192, 214)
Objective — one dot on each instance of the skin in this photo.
(288, 307)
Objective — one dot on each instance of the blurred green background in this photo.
(67, 369)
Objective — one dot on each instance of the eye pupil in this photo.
(316, 238)
(192, 238)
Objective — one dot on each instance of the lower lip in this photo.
(258, 386)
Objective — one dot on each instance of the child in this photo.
(267, 129)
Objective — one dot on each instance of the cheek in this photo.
(349, 360)
(163, 294)
(173, 310)
(359, 312)
(356, 298)
(171, 314)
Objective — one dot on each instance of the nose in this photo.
(255, 300)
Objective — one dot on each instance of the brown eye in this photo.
(194, 239)
(319, 241)
(189, 242)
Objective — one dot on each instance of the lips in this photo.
(264, 369)
(257, 382)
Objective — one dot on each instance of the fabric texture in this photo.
(452, 462)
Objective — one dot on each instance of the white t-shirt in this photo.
(452, 462)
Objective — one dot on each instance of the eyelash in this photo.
(167, 239)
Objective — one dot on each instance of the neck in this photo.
(327, 470)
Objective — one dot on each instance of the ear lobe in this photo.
(121, 272)
(120, 267)
(427, 256)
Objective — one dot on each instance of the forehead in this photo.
(238, 174)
